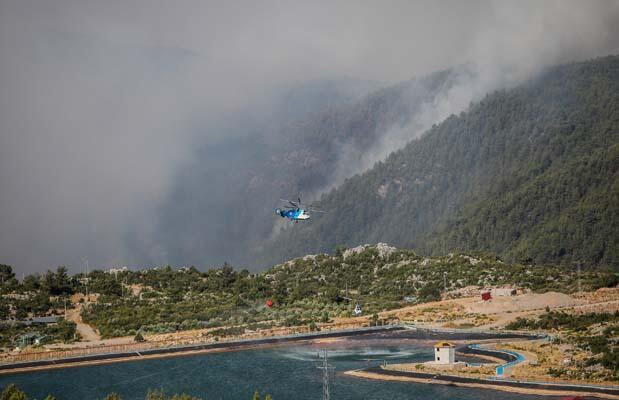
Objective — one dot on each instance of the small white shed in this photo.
(444, 353)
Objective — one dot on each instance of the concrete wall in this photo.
(445, 355)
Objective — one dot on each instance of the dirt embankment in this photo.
(534, 391)
(472, 312)
(524, 302)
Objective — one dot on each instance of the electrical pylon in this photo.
(325, 376)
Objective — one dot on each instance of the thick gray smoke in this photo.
(514, 43)
(103, 103)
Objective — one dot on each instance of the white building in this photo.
(357, 311)
(504, 291)
(444, 353)
(115, 271)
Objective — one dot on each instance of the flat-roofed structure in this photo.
(444, 353)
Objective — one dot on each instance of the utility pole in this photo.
(325, 379)
(579, 288)
(87, 279)
(122, 285)
(325, 376)
(445, 281)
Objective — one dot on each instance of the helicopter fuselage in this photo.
(293, 214)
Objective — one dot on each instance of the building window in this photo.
(438, 359)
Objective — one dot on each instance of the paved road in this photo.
(496, 382)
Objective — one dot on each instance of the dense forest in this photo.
(529, 173)
(304, 291)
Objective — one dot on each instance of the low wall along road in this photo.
(54, 358)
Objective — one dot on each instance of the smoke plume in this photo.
(103, 104)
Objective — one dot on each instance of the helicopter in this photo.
(295, 211)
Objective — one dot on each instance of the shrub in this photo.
(12, 392)
(325, 317)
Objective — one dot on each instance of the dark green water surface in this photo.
(285, 372)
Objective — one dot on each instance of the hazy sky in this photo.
(101, 102)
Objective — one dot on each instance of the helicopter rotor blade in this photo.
(291, 202)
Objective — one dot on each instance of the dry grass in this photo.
(542, 355)
(471, 371)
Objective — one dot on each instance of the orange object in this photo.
(269, 303)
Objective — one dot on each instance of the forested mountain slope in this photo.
(529, 173)
(222, 203)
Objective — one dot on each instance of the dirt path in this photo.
(503, 318)
(88, 334)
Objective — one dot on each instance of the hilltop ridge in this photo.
(528, 173)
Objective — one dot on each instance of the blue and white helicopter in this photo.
(295, 211)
